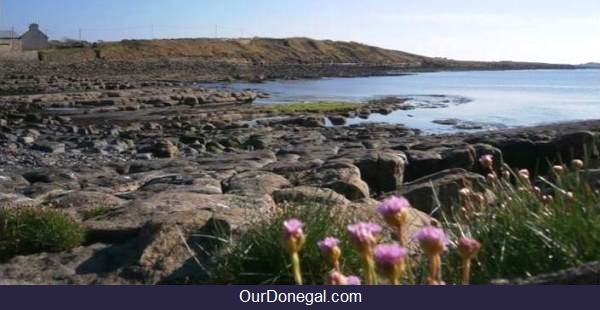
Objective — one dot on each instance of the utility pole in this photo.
(80, 36)
(216, 31)
(152, 31)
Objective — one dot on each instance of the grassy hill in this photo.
(262, 51)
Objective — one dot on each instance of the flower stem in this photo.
(466, 272)
(438, 273)
(436, 269)
(400, 237)
(370, 275)
(296, 268)
(336, 265)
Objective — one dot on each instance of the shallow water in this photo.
(498, 99)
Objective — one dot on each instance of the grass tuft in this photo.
(258, 257)
(524, 237)
(27, 231)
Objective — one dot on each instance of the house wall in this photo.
(34, 40)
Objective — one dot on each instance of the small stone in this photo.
(49, 147)
(192, 101)
(143, 156)
(27, 140)
(337, 120)
(165, 149)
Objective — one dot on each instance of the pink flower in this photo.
(487, 161)
(393, 206)
(337, 278)
(432, 240)
(328, 245)
(468, 247)
(293, 228)
(353, 280)
(293, 236)
(395, 211)
(389, 255)
(365, 233)
(389, 259)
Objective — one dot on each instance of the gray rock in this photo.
(422, 163)
(337, 120)
(27, 140)
(307, 194)
(49, 147)
(382, 170)
(341, 176)
(164, 148)
(441, 190)
(588, 274)
(256, 182)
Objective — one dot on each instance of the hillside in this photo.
(263, 52)
(591, 65)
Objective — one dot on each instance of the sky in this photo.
(556, 31)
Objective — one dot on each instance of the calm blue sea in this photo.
(497, 98)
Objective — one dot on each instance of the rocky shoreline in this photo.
(164, 159)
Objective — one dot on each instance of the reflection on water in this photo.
(498, 98)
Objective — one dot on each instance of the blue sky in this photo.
(528, 30)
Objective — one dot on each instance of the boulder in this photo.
(422, 163)
(256, 182)
(126, 222)
(341, 176)
(537, 151)
(382, 170)
(80, 203)
(441, 190)
(307, 194)
(97, 264)
(17, 201)
(191, 101)
(337, 120)
(10, 182)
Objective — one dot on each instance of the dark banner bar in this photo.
(262, 297)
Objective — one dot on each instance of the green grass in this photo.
(313, 107)
(522, 237)
(28, 231)
(258, 257)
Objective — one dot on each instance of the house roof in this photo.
(8, 34)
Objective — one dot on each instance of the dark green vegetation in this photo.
(521, 236)
(27, 231)
(314, 107)
(258, 257)
(524, 237)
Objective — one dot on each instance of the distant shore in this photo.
(244, 59)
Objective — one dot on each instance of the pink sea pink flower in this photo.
(433, 240)
(468, 247)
